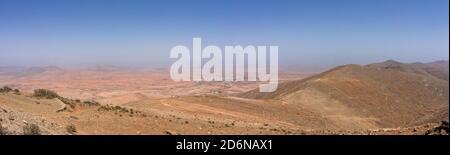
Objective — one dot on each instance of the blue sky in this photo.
(311, 34)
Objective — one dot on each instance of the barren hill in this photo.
(388, 94)
(381, 98)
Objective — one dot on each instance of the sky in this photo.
(311, 34)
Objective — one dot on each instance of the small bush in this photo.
(3, 131)
(119, 109)
(17, 92)
(5, 89)
(71, 129)
(67, 101)
(31, 129)
(72, 103)
(44, 93)
(92, 103)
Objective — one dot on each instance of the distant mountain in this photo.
(107, 68)
(387, 94)
(5, 70)
(42, 69)
(22, 71)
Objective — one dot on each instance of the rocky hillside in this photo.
(387, 94)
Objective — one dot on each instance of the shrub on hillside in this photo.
(67, 101)
(5, 89)
(73, 103)
(91, 103)
(17, 91)
(71, 129)
(3, 130)
(31, 129)
(44, 93)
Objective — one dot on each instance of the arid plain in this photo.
(389, 97)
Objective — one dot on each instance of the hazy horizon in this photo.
(311, 35)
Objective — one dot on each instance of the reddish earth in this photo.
(381, 98)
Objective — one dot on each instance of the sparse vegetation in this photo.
(91, 103)
(49, 94)
(72, 103)
(31, 129)
(119, 109)
(224, 114)
(5, 89)
(44, 93)
(67, 101)
(71, 129)
(113, 108)
(442, 129)
(3, 130)
(17, 91)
